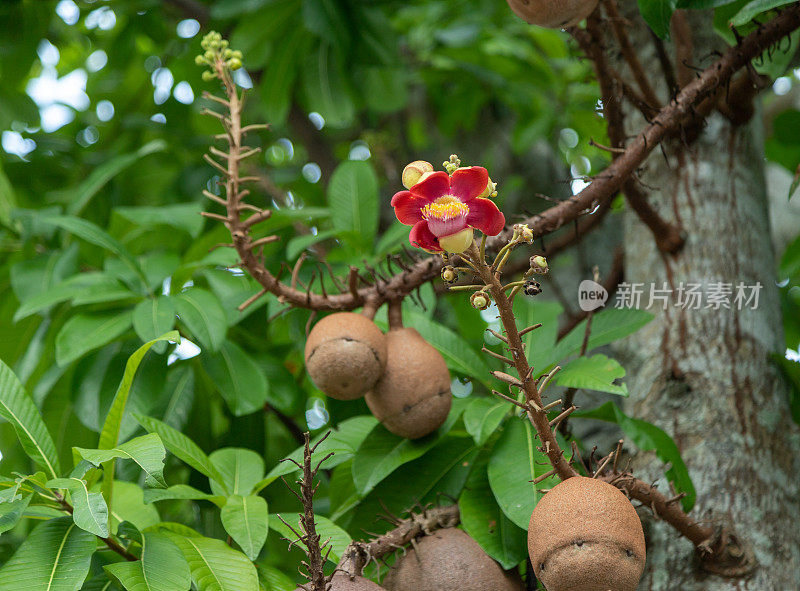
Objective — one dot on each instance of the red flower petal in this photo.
(422, 237)
(468, 183)
(433, 187)
(408, 208)
(484, 215)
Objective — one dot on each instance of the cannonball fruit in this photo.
(412, 398)
(449, 560)
(342, 582)
(345, 355)
(555, 14)
(585, 535)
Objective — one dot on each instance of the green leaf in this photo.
(147, 451)
(215, 566)
(327, 529)
(239, 379)
(17, 407)
(201, 313)
(90, 511)
(657, 14)
(754, 8)
(246, 521)
(381, 453)
(183, 447)
(54, 557)
(597, 372)
(342, 441)
(86, 332)
(182, 216)
(161, 567)
(80, 196)
(68, 289)
(109, 435)
(278, 80)
(515, 462)
(128, 504)
(482, 418)
(181, 492)
(458, 354)
(299, 243)
(241, 470)
(11, 512)
(153, 317)
(648, 437)
(353, 199)
(487, 524)
(95, 235)
(274, 579)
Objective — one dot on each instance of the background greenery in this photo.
(103, 251)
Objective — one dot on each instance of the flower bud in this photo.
(208, 76)
(449, 274)
(234, 63)
(489, 191)
(199, 60)
(413, 173)
(209, 55)
(458, 242)
(524, 234)
(480, 300)
(539, 264)
(531, 288)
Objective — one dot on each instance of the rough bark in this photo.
(705, 376)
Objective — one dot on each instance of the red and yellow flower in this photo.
(443, 209)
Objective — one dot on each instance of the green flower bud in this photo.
(234, 63)
(200, 60)
(449, 274)
(208, 76)
(539, 264)
(480, 300)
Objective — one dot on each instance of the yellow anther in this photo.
(445, 208)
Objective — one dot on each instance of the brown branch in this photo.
(358, 554)
(288, 422)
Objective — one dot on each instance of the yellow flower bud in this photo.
(413, 173)
(234, 63)
(458, 242)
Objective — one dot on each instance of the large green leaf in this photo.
(182, 216)
(86, 332)
(95, 235)
(597, 372)
(326, 87)
(239, 379)
(147, 451)
(515, 462)
(184, 448)
(241, 470)
(648, 437)
(483, 416)
(246, 520)
(153, 317)
(657, 14)
(381, 453)
(342, 441)
(216, 566)
(458, 354)
(327, 529)
(201, 313)
(278, 79)
(182, 492)
(11, 512)
(128, 504)
(487, 524)
(90, 511)
(353, 199)
(80, 196)
(274, 579)
(17, 407)
(54, 557)
(754, 8)
(162, 567)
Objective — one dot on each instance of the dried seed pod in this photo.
(585, 535)
(345, 355)
(555, 14)
(449, 560)
(412, 398)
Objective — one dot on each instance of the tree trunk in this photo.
(705, 375)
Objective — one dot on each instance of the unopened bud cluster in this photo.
(522, 233)
(539, 264)
(480, 300)
(215, 50)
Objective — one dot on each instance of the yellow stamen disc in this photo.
(445, 208)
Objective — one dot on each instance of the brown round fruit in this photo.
(342, 582)
(345, 355)
(449, 560)
(585, 535)
(555, 14)
(412, 398)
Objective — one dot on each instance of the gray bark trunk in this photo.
(705, 376)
